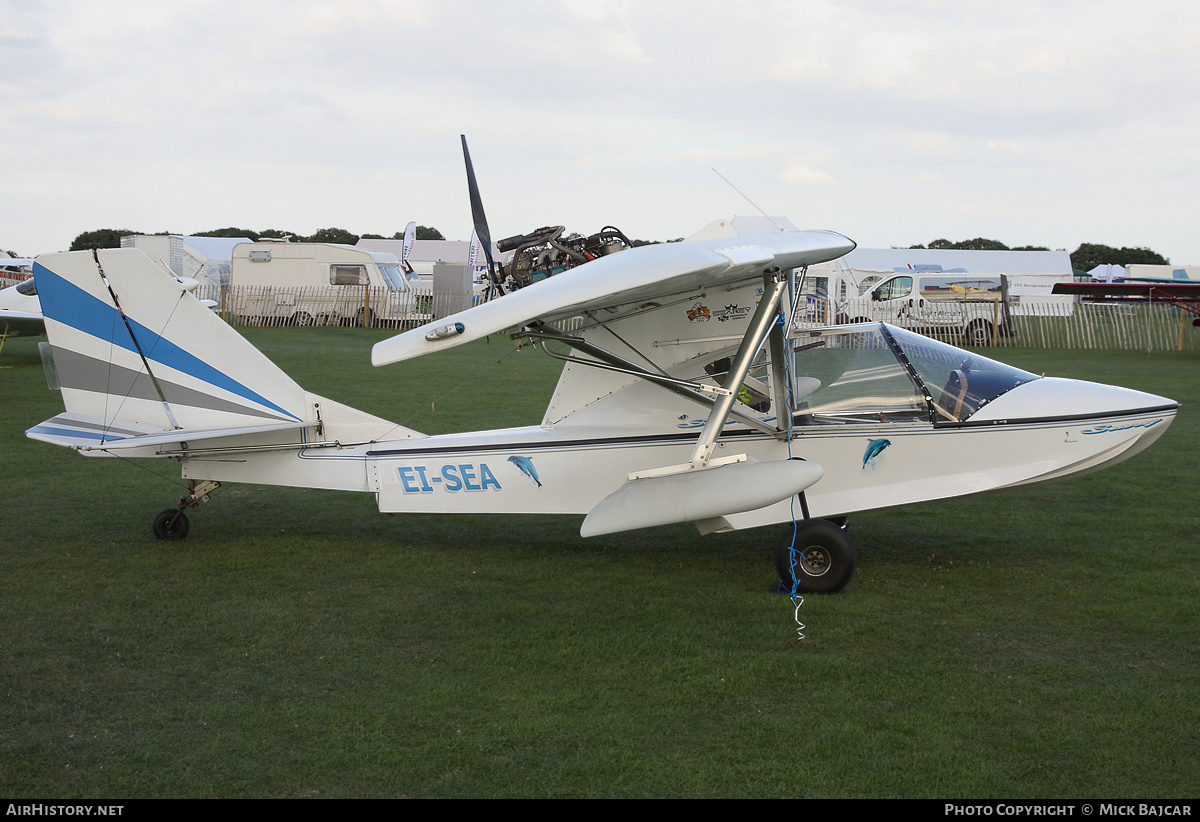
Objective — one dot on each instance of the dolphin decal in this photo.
(526, 466)
(874, 449)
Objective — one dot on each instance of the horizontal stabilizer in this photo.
(94, 434)
(699, 495)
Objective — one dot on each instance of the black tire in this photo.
(303, 318)
(171, 524)
(841, 319)
(825, 558)
(365, 318)
(979, 333)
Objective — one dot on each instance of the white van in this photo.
(943, 303)
(325, 284)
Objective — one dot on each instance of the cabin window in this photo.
(852, 377)
(348, 275)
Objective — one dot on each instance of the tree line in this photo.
(1084, 258)
(111, 237)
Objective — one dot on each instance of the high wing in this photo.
(627, 278)
(21, 324)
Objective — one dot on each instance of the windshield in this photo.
(858, 375)
(960, 382)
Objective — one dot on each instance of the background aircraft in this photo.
(20, 311)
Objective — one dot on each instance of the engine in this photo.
(546, 252)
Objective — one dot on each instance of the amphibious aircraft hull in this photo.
(535, 470)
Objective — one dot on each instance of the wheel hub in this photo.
(814, 560)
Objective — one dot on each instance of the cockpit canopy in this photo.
(876, 373)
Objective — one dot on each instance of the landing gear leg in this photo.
(172, 524)
(824, 557)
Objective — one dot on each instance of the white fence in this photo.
(1137, 326)
(1035, 324)
(329, 305)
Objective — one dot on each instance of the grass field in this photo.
(1034, 643)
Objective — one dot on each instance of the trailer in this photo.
(324, 284)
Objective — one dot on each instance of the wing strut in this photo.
(730, 485)
(779, 372)
(756, 334)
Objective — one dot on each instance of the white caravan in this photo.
(323, 283)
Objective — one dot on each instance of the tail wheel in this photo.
(171, 524)
(818, 553)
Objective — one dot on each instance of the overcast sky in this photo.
(894, 122)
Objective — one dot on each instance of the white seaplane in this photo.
(687, 395)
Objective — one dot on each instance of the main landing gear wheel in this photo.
(825, 557)
(171, 524)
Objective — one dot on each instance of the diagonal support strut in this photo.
(756, 334)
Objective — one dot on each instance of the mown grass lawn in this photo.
(1034, 643)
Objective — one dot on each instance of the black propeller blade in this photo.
(481, 225)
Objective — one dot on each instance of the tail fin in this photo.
(135, 351)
